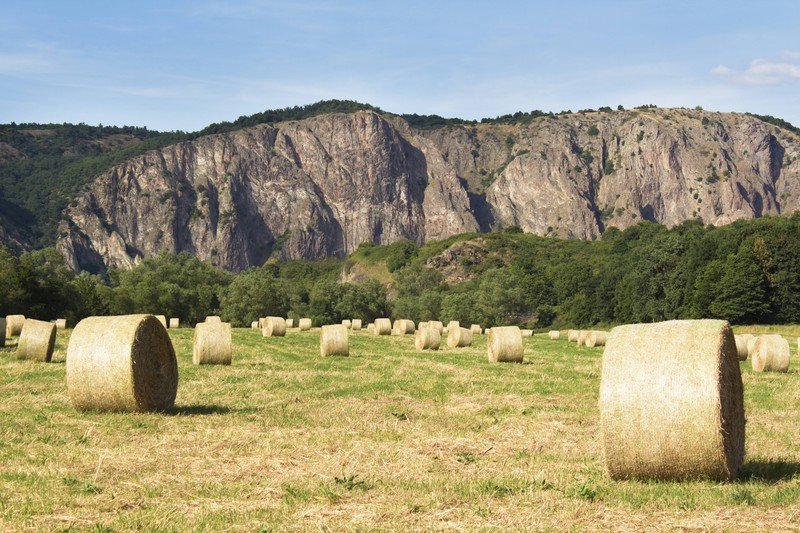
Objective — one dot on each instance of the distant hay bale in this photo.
(595, 338)
(273, 326)
(459, 337)
(404, 327)
(453, 324)
(370, 327)
(213, 318)
(14, 325)
(163, 320)
(742, 342)
(504, 345)
(527, 333)
(212, 344)
(36, 341)
(572, 335)
(422, 325)
(444, 329)
(290, 323)
(254, 324)
(304, 324)
(121, 363)
(582, 337)
(2, 331)
(554, 335)
(355, 324)
(261, 323)
(476, 329)
(61, 323)
(770, 354)
(334, 340)
(437, 325)
(382, 326)
(427, 339)
(751, 340)
(671, 401)
(347, 323)
(174, 323)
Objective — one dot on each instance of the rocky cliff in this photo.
(321, 186)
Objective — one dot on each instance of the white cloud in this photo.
(762, 71)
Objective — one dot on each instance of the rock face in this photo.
(322, 186)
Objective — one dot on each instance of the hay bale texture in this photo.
(174, 323)
(61, 323)
(371, 327)
(742, 343)
(273, 326)
(304, 324)
(504, 345)
(595, 338)
(554, 335)
(163, 320)
(572, 335)
(355, 324)
(121, 363)
(476, 329)
(254, 324)
(751, 340)
(437, 325)
(382, 326)
(453, 324)
(36, 341)
(2, 331)
(214, 318)
(405, 327)
(582, 337)
(770, 354)
(334, 340)
(459, 337)
(14, 325)
(427, 339)
(290, 323)
(671, 401)
(212, 344)
(527, 333)
(347, 323)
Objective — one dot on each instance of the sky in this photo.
(183, 64)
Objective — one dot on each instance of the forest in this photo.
(746, 272)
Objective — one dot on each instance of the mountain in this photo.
(320, 186)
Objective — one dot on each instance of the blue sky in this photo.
(181, 65)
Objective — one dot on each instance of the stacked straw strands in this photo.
(174, 323)
(770, 354)
(554, 335)
(476, 329)
(427, 339)
(121, 363)
(382, 326)
(163, 320)
(355, 324)
(14, 325)
(290, 322)
(595, 338)
(214, 318)
(437, 325)
(61, 323)
(273, 326)
(2, 331)
(742, 343)
(212, 344)
(347, 323)
(304, 324)
(334, 340)
(36, 341)
(459, 337)
(572, 335)
(671, 402)
(505, 345)
(405, 327)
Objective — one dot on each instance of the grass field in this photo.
(386, 439)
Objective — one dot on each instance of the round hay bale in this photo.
(347, 323)
(770, 354)
(444, 329)
(505, 345)
(254, 324)
(121, 363)
(453, 324)
(163, 320)
(527, 333)
(355, 325)
(273, 326)
(742, 342)
(212, 344)
(476, 329)
(572, 335)
(61, 323)
(437, 325)
(290, 323)
(596, 338)
(751, 340)
(671, 401)
(554, 335)
(334, 340)
(36, 341)
(459, 337)
(174, 323)
(304, 324)
(582, 337)
(427, 339)
(422, 325)
(14, 325)
(2, 331)
(404, 327)
(370, 327)
(213, 318)
(382, 326)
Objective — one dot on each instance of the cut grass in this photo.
(388, 438)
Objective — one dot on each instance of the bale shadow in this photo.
(199, 410)
(769, 470)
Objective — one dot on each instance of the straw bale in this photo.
(596, 338)
(370, 327)
(162, 319)
(572, 335)
(554, 335)
(355, 324)
(453, 324)
(504, 345)
(422, 325)
(436, 324)
(212, 344)
(770, 354)
(459, 337)
(404, 327)
(427, 339)
(582, 337)
(61, 323)
(36, 340)
(742, 343)
(121, 363)
(347, 323)
(254, 324)
(671, 401)
(214, 318)
(751, 340)
(174, 323)
(527, 333)
(14, 325)
(334, 340)
(476, 329)
(290, 323)
(273, 326)
(382, 326)
(304, 324)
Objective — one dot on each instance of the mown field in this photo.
(386, 439)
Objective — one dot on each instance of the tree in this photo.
(254, 294)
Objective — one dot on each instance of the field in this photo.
(386, 439)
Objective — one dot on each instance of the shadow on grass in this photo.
(199, 410)
(769, 470)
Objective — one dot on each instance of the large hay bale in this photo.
(174, 323)
(554, 335)
(273, 326)
(355, 324)
(162, 319)
(212, 344)
(595, 338)
(459, 337)
(304, 324)
(476, 329)
(36, 340)
(582, 337)
(770, 354)
(453, 324)
(14, 325)
(334, 340)
(382, 326)
(2, 331)
(504, 345)
(671, 401)
(404, 327)
(290, 323)
(527, 333)
(121, 363)
(347, 323)
(437, 325)
(572, 335)
(427, 339)
(61, 323)
(742, 342)
(214, 319)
